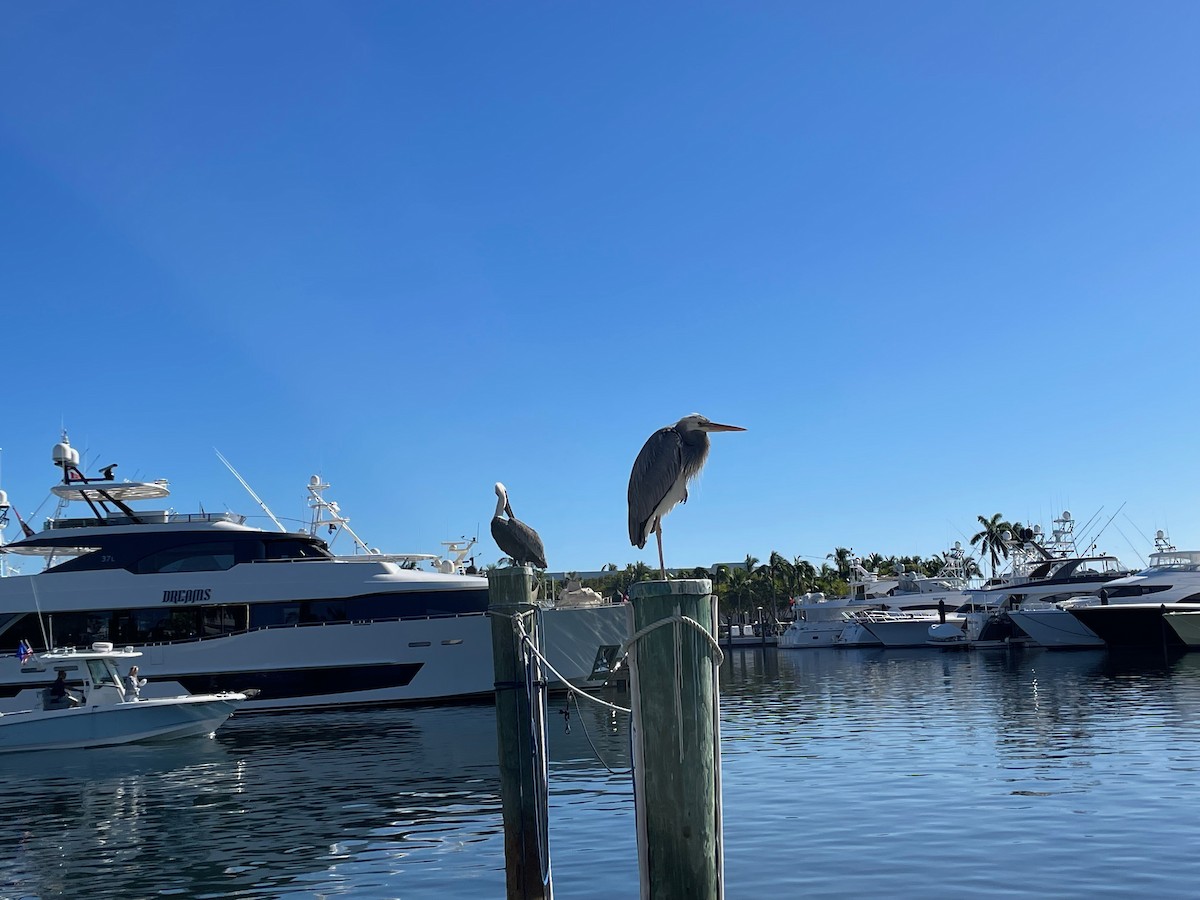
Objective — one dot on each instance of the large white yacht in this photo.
(822, 621)
(1171, 576)
(1139, 612)
(216, 605)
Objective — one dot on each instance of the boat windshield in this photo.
(102, 672)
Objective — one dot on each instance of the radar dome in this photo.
(4, 502)
(1066, 515)
(1158, 534)
(64, 454)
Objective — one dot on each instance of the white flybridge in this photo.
(214, 604)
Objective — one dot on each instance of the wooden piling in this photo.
(520, 735)
(676, 740)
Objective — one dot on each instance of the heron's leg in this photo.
(662, 566)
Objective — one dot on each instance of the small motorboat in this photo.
(948, 636)
(98, 711)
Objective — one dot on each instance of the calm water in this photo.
(846, 774)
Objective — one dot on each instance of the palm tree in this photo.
(841, 557)
(806, 575)
(991, 540)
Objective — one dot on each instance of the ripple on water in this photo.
(906, 774)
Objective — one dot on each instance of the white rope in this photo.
(517, 619)
(717, 654)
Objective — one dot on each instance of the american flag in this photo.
(24, 651)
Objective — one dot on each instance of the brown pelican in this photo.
(518, 541)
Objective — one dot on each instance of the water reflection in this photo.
(279, 803)
(995, 754)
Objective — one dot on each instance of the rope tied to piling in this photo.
(528, 644)
(716, 654)
(578, 692)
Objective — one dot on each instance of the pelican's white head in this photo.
(501, 498)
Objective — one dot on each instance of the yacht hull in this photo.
(1130, 626)
(1186, 625)
(355, 663)
(902, 631)
(1055, 629)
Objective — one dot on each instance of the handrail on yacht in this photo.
(244, 631)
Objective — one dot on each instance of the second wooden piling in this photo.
(676, 739)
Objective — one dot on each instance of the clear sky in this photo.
(940, 259)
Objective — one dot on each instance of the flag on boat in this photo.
(25, 529)
(24, 651)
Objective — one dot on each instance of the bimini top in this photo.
(115, 491)
(98, 650)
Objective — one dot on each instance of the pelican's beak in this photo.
(717, 426)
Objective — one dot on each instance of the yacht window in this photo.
(156, 626)
(402, 605)
(323, 611)
(293, 549)
(79, 629)
(6, 620)
(17, 628)
(214, 557)
(217, 620)
(414, 604)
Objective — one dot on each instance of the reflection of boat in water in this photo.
(334, 799)
(103, 714)
(214, 604)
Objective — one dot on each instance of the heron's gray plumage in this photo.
(669, 459)
(518, 541)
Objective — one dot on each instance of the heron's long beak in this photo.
(717, 426)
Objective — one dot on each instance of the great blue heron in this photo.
(519, 542)
(668, 461)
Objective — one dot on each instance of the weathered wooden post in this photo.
(676, 739)
(520, 734)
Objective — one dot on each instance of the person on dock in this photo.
(133, 684)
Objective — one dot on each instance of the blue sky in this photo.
(940, 260)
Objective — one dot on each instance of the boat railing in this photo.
(154, 517)
(245, 631)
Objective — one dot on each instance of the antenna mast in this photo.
(249, 490)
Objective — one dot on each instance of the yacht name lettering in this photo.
(199, 595)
